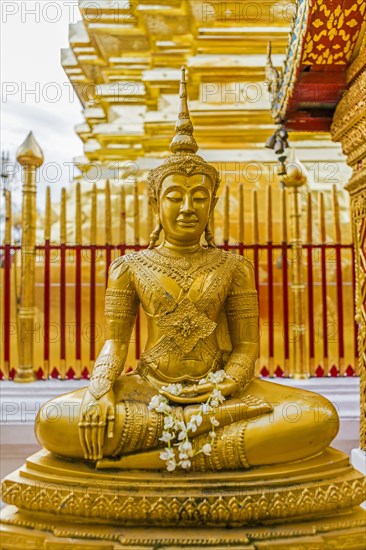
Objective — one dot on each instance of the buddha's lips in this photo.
(187, 223)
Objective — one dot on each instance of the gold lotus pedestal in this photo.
(57, 504)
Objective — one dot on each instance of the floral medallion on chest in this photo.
(186, 325)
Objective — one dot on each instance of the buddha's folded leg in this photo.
(57, 425)
(301, 425)
(135, 427)
(141, 429)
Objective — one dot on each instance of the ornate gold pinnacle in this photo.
(29, 153)
(183, 140)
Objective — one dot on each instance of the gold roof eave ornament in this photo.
(184, 147)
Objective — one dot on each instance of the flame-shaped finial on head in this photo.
(183, 141)
(183, 146)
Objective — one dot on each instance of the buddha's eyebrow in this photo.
(194, 188)
(199, 188)
(173, 188)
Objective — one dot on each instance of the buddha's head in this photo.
(183, 189)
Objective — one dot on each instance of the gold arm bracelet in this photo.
(107, 369)
(240, 368)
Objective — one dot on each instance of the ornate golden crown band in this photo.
(183, 146)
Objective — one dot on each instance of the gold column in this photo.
(47, 215)
(78, 228)
(349, 128)
(309, 239)
(293, 181)
(30, 156)
(226, 214)
(255, 217)
(241, 214)
(108, 214)
(93, 216)
(136, 213)
(284, 237)
(122, 219)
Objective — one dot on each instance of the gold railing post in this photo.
(8, 218)
(293, 181)
(30, 156)
(122, 219)
(226, 214)
(136, 213)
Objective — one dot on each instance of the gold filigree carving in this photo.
(120, 304)
(107, 368)
(193, 164)
(351, 108)
(186, 325)
(240, 368)
(248, 507)
(183, 270)
(241, 305)
(342, 530)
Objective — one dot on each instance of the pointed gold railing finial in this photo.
(183, 141)
(29, 152)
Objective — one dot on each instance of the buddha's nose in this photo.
(187, 205)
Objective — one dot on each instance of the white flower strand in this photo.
(175, 429)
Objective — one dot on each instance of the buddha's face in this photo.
(185, 203)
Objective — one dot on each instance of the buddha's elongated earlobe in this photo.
(154, 236)
(209, 236)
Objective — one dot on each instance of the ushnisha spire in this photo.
(183, 141)
(183, 146)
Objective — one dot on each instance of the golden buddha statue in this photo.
(240, 452)
(192, 402)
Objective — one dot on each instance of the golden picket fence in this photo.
(84, 232)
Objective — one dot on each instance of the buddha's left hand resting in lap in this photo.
(192, 402)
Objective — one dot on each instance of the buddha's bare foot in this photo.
(233, 410)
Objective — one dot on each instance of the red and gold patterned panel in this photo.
(333, 29)
(323, 39)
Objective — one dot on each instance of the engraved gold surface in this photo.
(349, 127)
(301, 490)
(342, 531)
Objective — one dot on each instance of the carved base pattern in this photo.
(52, 486)
(63, 504)
(20, 531)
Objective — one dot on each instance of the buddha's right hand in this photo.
(96, 416)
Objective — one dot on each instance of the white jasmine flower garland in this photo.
(178, 430)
